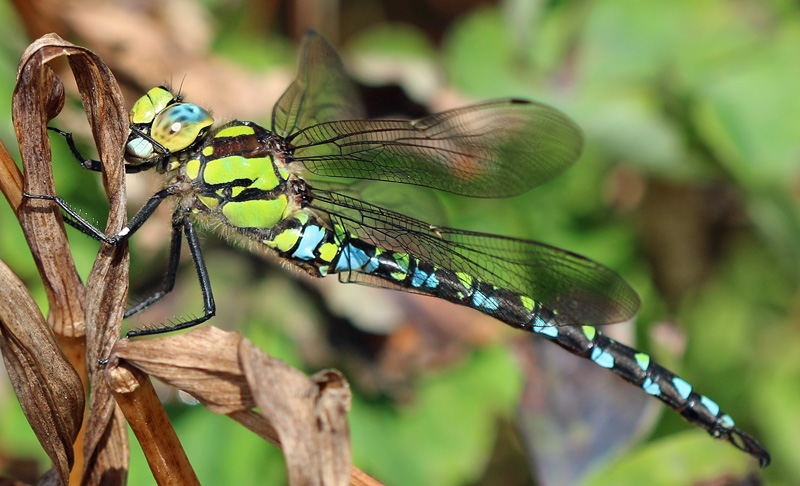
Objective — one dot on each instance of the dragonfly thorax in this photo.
(238, 178)
(163, 126)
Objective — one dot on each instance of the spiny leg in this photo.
(172, 270)
(77, 221)
(209, 308)
(90, 164)
(97, 166)
(182, 222)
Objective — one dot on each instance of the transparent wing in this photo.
(578, 290)
(496, 148)
(413, 201)
(322, 90)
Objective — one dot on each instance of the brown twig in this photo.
(137, 399)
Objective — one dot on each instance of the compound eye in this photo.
(151, 104)
(180, 125)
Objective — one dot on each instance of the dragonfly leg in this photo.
(95, 165)
(90, 164)
(77, 221)
(209, 308)
(172, 270)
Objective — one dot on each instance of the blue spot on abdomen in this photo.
(421, 278)
(543, 327)
(710, 404)
(602, 358)
(351, 258)
(481, 301)
(684, 388)
(312, 236)
(650, 387)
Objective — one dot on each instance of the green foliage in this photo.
(680, 460)
(443, 435)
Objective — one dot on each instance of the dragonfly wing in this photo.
(322, 90)
(414, 201)
(576, 289)
(495, 148)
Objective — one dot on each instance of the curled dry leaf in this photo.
(33, 105)
(309, 414)
(305, 416)
(47, 386)
(38, 97)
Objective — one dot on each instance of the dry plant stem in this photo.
(38, 97)
(360, 478)
(10, 179)
(136, 397)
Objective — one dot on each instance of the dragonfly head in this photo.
(163, 125)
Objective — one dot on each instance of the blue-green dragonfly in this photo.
(262, 185)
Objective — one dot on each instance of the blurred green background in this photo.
(688, 187)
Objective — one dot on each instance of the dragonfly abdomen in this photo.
(352, 258)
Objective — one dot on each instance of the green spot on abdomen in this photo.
(327, 251)
(643, 360)
(465, 279)
(258, 213)
(285, 240)
(402, 260)
(528, 303)
(589, 331)
(301, 216)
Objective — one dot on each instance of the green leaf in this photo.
(681, 459)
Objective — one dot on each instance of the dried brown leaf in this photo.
(37, 98)
(203, 362)
(309, 415)
(228, 374)
(49, 389)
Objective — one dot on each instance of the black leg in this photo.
(209, 308)
(172, 270)
(90, 164)
(95, 165)
(79, 222)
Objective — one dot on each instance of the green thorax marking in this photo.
(237, 177)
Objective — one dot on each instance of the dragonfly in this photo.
(267, 186)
